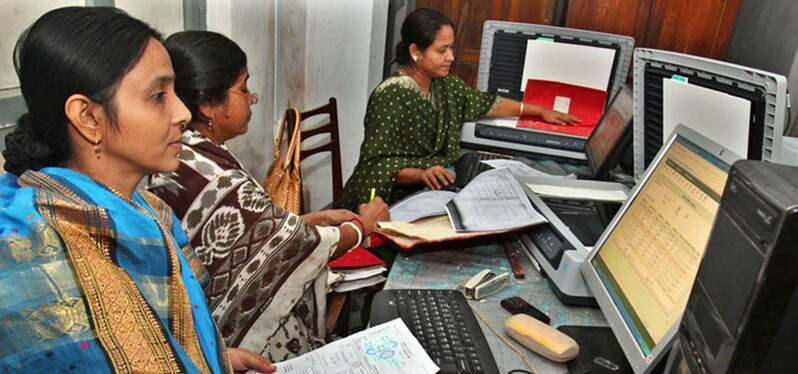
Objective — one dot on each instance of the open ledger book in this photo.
(492, 203)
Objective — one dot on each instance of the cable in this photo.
(500, 336)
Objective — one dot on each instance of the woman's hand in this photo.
(243, 360)
(435, 178)
(559, 118)
(372, 212)
(331, 217)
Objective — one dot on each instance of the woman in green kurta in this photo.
(413, 119)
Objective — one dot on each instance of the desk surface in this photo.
(447, 268)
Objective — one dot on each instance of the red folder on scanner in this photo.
(583, 102)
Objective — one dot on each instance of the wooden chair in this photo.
(336, 301)
(333, 146)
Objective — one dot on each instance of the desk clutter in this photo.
(635, 252)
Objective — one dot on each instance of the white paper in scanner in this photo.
(575, 64)
(717, 115)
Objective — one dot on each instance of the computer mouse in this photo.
(541, 338)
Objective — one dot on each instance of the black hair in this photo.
(67, 51)
(420, 27)
(206, 65)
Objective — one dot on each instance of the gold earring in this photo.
(415, 59)
(97, 150)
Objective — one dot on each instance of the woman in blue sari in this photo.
(95, 275)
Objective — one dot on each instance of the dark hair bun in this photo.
(23, 151)
(420, 27)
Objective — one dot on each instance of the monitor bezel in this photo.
(626, 340)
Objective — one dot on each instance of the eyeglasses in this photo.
(252, 98)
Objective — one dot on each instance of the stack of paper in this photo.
(356, 269)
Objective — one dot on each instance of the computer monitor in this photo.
(644, 265)
(703, 94)
(612, 135)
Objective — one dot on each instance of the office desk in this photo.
(445, 269)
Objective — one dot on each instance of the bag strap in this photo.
(296, 141)
(279, 139)
(292, 153)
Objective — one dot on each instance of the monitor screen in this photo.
(647, 262)
(610, 130)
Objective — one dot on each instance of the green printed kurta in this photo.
(404, 129)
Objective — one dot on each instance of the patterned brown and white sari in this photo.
(268, 268)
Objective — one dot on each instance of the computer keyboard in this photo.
(443, 323)
(469, 166)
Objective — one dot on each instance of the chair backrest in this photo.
(333, 146)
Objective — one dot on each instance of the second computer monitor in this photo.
(644, 265)
(612, 135)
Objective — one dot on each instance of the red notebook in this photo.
(358, 257)
(583, 102)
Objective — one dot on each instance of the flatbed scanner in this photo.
(501, 66)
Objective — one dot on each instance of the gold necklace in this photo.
(134, 204)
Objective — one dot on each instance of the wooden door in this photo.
(700, 28)
(469, 17)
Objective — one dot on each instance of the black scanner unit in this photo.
(742, 314)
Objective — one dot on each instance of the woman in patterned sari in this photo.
(94, 275)
(268, 267)
(413, 119)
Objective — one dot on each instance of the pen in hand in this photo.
(373, 194)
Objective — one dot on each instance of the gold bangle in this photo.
(521, 110)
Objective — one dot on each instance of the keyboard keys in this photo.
(445, 326)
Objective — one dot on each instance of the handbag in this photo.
(283, 181)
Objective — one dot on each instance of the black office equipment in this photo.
(612, 135)
(742, 314)
(517, 305)
(443, 323)
(469, 165)
(585, 218)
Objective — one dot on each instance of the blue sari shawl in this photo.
(92, 282)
